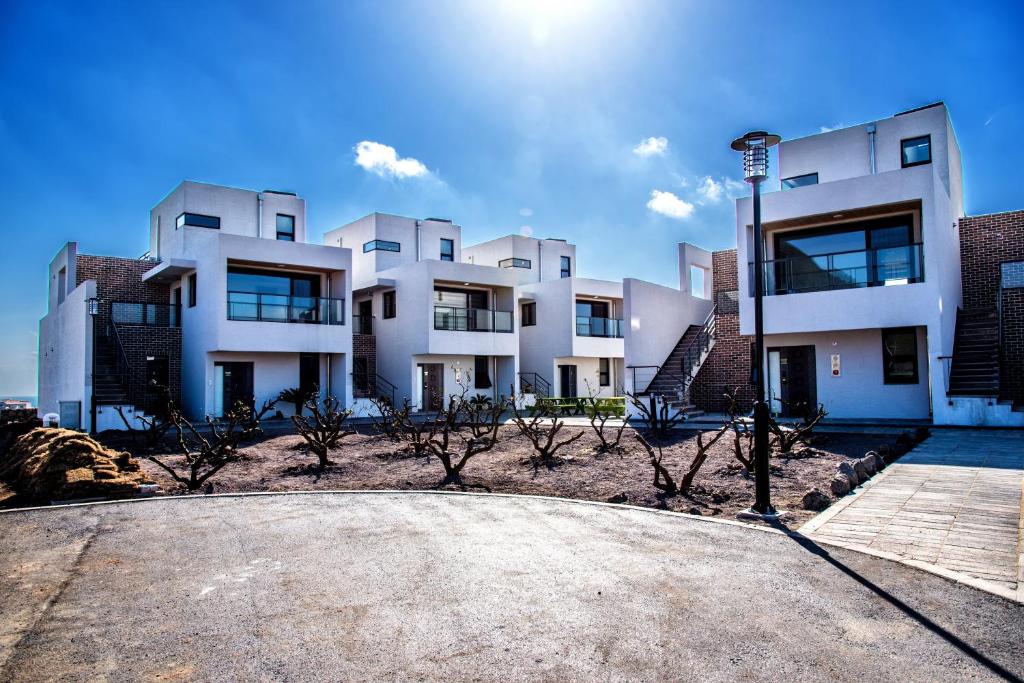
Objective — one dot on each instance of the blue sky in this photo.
(528, 113)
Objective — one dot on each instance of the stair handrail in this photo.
(692, 354)
(122, 356)
(389, 388)
(538, 383)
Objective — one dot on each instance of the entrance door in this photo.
(234, 385)
(567, 381)
(156, 385)
(797, 386)
(433, 385)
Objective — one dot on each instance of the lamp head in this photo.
(754, 146)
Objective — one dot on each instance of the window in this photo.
(697, 280)
(566, 266)
(361, 374)
(482, 374)
(381, 245)
(529, 314)
(447, 249)
(899, 355)
(309, 373)
(916, 151)
(285, 227)
(62, 285)
(198, 220)
(515, 263)
(799, 181)
(460, 298)
(604, 372)
(192, 290)
(388, 304)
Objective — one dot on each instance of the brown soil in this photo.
(366, 461)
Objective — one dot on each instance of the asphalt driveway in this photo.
(382, 586)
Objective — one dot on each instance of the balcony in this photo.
(149, 315)
(598, 327)
(471, 319)
(280, 308)
(362, 324)
(843, 270)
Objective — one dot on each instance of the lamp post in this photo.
(754, 146)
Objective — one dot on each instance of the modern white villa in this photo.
(884, 302)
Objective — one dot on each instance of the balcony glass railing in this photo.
(843, 270)
(598, 327)
(471, 319)
(150, 315)
(280, 308)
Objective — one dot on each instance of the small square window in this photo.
(447, 249)
(916, 151)
(285, 227)
(389, 309)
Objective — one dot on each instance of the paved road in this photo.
(426, 586)
(954, 503)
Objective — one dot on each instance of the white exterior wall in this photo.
(65, 341)
(545, 256)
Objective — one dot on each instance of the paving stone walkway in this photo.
(953, 503)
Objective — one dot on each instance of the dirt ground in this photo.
(370, 461)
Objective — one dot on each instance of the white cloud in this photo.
(385, 162)
(735, 188)
(526, 231)
(667, 204)
(651, 147)
(525, 211)
(710, 190)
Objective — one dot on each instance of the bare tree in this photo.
(658, 416)
(598, 420)
(298, 397)
(543, 436)
(742, 437)
(204, 457)
(153, 429)
(663, 480)
(324, 428)
(790, 434)
(416, 432)
(447, 423)
(476, 413)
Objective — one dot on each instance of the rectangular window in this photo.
(799, 181)
(604, 372)
(515, 263)
(285, 227)
(916, 151)
(899, 355)
(566, 266)
(309, 372)
(447, 249)
(482, 379)
(361, 374)
(198, 220)
(381, 245)
(388, 304)
(192, 290)
(529, 314)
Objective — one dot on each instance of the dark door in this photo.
(156, 385)
(433, 386)
(309, 373)
(797, 380)
(567, 380)
(237, 385)
(365, 323)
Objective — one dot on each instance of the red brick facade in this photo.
(985, 242)
(365, 346)
(728, 364)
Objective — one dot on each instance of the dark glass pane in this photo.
(917, 151)
(799, 181)
(285, 224)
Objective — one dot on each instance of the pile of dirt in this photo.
(45, 465)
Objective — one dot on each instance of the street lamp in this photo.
(754, 146)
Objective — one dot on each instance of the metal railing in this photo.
(532, 383)
(842, 270)
(689, 360)
(281, 308)
(151, 315)
(362, 324)
(598, 327)
(457, 319)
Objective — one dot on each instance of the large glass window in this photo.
(899, 355)
(285, 227)
(447, 249)
(566, 266)
(460, 298)
(198, 220)
(271, 296)
(916, 151)
(529, 314)
(799, 181)
(381, 245)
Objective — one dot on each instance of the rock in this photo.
(878, 459)
(862, 473)
(816, 500)
(840, 485)
(868, 461)
(618, 498)
(695, 511)
(847, 470)
(718, 498)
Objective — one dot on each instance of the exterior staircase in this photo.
(108, 375)
(673, 378)
(975, 367)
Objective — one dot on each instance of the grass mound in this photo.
(59, 464)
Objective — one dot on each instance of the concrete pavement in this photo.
(384, 586)
(953, 504)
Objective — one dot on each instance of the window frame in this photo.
(604, 372)
(783, 181)
(379, 245)
(450, 256)
(182, 221)
(897, 380)
(192, 290)
(515, 262)
(389, 305)
(291, 235)
(528, 320)
(903, 156)
(486, 374)
(565, 266)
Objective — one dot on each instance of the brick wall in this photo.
(728, 364)
(985, 243)
(365, 346)
(120, 280)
